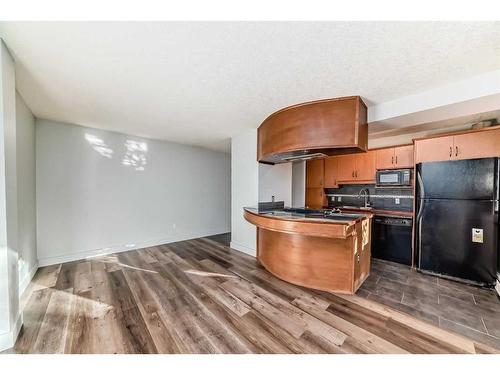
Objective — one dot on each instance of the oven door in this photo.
(389, 178)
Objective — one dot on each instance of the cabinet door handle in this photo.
(396, 159)
(450, 151)
(392, 160)
(456, 151)
(356, 174)
(353, 174)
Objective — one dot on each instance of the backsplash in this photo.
(381, 198)
(269, 206)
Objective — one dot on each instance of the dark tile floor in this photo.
(471, 311)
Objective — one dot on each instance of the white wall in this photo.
(275, 180)
(101, 192)
(10, 316)
(244, 189)
(26, 193)
(299, 184)
(470, 96)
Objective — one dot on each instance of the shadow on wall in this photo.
(134, 156)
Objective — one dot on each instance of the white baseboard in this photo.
(8, 339)
(244, 249)
(63, 258)
(23, 284)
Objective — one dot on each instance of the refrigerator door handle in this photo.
(419, 241)
(418, 218)
(497, 185)
(497, 182)
(421, 195)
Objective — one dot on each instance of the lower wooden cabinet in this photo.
(316, 198)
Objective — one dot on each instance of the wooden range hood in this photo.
(314, 129)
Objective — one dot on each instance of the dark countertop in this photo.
(312, 216)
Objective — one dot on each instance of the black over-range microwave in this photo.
(394, 177)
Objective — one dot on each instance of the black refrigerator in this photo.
(457, 226)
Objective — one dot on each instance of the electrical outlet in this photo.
(396, 200)
(339, 199)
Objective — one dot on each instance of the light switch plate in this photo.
(339, 199)
(396, 200)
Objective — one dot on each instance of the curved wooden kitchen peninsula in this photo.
(319, 253)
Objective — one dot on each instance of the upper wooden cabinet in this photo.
(315, 172)
(385, 158)
(346, 167)
(403, 156)
(357, 168)
(329, 127)
(331, 172)
(434, 149)
(476, 145)
(469, 145)
(315, 181)
(365, 166)
(394, 157)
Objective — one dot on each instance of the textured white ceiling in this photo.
(200, 83)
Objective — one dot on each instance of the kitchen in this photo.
(432, 205)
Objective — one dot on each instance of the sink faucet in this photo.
(366, 194)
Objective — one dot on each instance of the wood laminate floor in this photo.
(199, 296)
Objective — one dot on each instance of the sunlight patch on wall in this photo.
(135, 156)
(99, 145)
